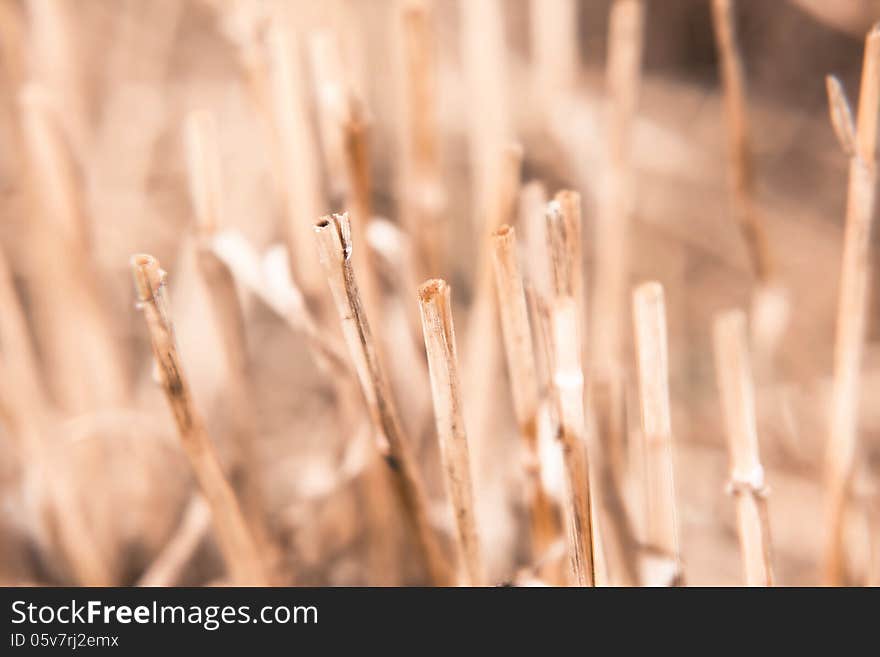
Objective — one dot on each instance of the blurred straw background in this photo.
(564, 431)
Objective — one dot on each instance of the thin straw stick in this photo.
(52, 166)
(56, 62)
(298, 155)
(569, 203)
(356, 127)
(770, 305)
(244, 26)
(548, 426)
(203, 165)
(482, 356)
(568, 382)
(616, 206)
(405, 364)
(649, 318)
(518, 346)
(236, 542)
(436, 308)
(88, 370)
(499, 209)
(356, 133)
(623, 77)
(203, 168)
(539, 308)
(739, 148)
(539, 288)
(228, 318)
(852, 307)
(404, 360)
(331, 88)
(205, 179)
(612, 528)
(554, 47)
(616, 538)
(424, 195)
(746, 474)
(614, 525)
(24, 410)
(335, 248)
(515, 328)
(484, 59)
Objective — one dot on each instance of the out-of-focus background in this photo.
(94, 101)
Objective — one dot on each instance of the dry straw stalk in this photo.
(623, 79)
(482, 354)
(296, 153)
(554, 41)
(424, 194)
(649, 318)
(205, 178)
(746, 474)
(236, 541)
(518, 347)
(335, 248)
(24, 411)
(568, 388)
(861, 143)
(434, 301)
(739, 150)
